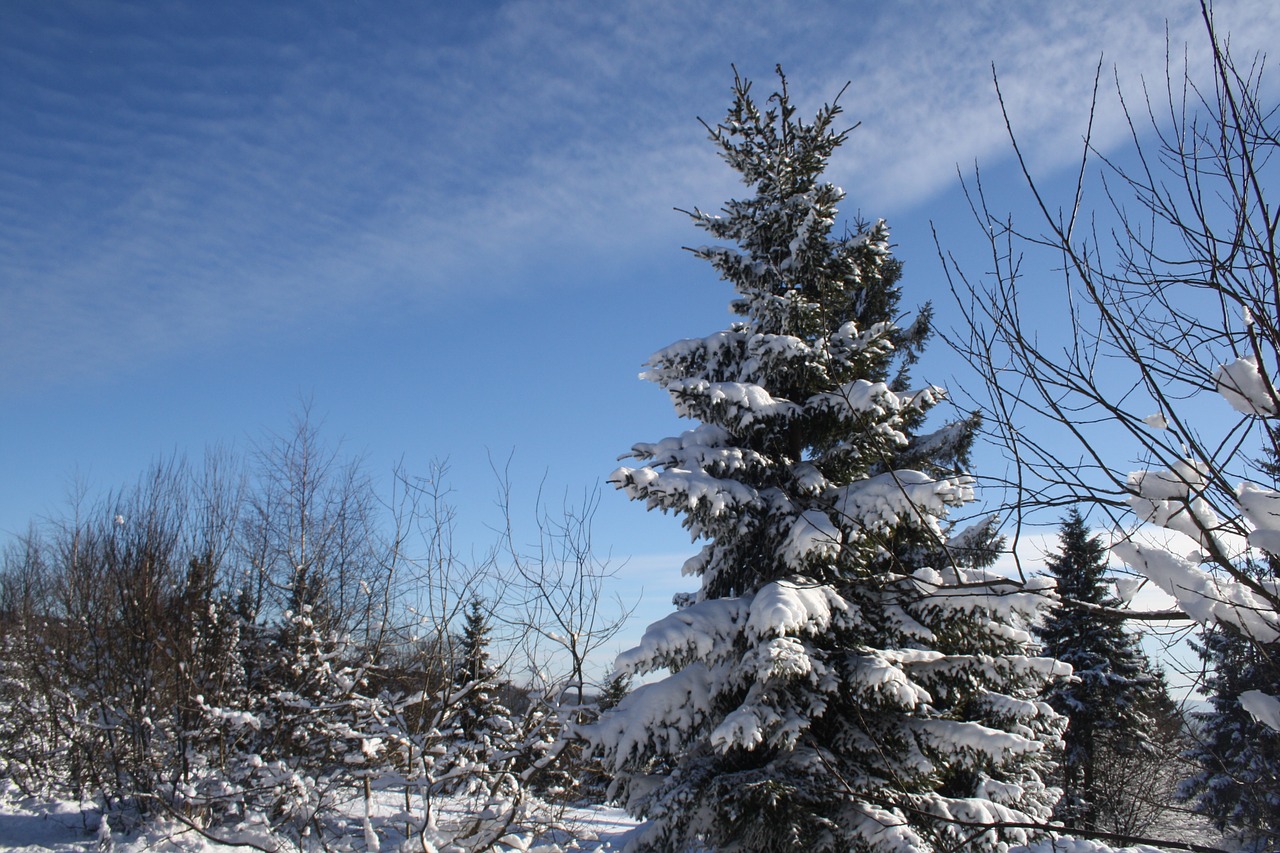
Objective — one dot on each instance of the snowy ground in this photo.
(37, 825)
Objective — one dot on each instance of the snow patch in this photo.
(1245, 388)
(1262, 707)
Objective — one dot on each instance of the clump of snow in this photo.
(1262, 707)
(887, 499)
(813, 536)
(808, 479)
(957, 736)
(1178, 483)
(983, 591)
(1208, 598)
(693, 632)
(1127, 588)
(1245, 388)
(693, 489)
(661, 713)
(858, 397)
(1261, 507)
(1061, 844)
(881, 676)
(792, 607)
(1172, 499)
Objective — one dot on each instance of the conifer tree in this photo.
(614, 690)
(481, 720)
(473, 675)
(1237, 785)
(828, 688)
(1103, 701)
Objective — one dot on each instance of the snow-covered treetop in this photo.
(793, 278)
(798, 402)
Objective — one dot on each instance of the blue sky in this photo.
(451, 226)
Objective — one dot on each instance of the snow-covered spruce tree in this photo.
(1238, 738)
(483, 728)
(301, 743)
(1238, 784)
(474, 676)
(1103, 702)
(827, 689)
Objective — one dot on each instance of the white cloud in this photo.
(260, 184)
(924, 92)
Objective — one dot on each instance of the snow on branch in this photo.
(1208, 598)
(1245, 388)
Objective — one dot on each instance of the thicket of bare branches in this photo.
(273, 638)
(1128, 343)
(1171, 276)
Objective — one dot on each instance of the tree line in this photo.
(252, 645)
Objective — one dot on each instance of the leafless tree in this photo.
(1161, 279)
(275, 638)
(565, 612)
(1172, 276)
(310, 533)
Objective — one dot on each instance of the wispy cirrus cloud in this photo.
(928, 104)
(189, 177)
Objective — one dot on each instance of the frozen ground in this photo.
(28, 824)
(38, 825)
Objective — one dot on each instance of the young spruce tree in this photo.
(1103, 703)
(828, 688)
(483, 724)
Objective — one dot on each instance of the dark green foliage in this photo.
(474, 678)
(838, 680)
(483, 731)
(615, 690)
(1238, 784)
(1103, 700)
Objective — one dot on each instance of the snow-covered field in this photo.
(36, 825)
(28, 824)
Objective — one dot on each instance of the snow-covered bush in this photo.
(212, 649)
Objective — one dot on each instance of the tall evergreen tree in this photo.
(1103, 701)
(1237, 785)
(828, 688)
(480, 712)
